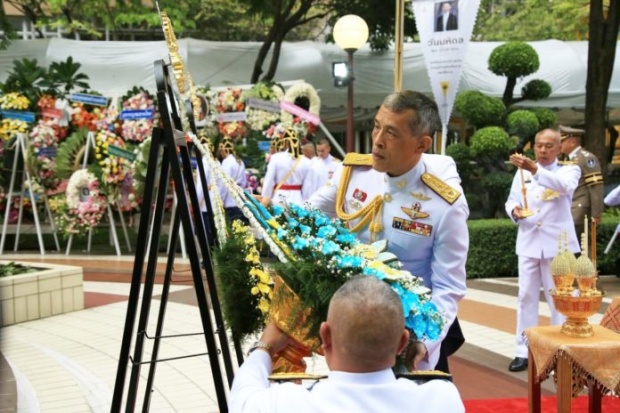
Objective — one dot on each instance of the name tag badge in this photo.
(412, 226)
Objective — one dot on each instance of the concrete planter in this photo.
(57, 289)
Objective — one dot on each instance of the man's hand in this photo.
(516, 213)
(276, 338)
(264, 200)
(523, 162)
(415, 352)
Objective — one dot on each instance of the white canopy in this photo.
(115, 67)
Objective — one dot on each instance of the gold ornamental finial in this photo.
(194, 98)
(176, 62)
(560, 267)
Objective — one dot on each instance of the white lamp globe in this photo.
(350, 32)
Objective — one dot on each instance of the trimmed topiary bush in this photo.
(480, 110)
(523, 123)
(514, 59)
(536, 89)
(492, 142)
(546, 117)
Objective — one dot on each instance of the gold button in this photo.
(387, 198)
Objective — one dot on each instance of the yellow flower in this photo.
(263, 305)
(264, 288)
(255, 290)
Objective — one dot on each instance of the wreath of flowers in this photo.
(137, 130)
(303, 95)
(9, 128)
(259, 119)
(14, 101)
(231, 100)
(113, 168)
(83, 116)
(322, 254)
(42, 149)
(139, 167)
(83, 207)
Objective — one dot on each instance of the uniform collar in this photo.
(574, 152)
(552, 166)
(405, 180)
(375, 377)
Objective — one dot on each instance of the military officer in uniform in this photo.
(588, 197)
(395, 194)
(549, 188)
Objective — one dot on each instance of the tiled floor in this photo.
(68, 363)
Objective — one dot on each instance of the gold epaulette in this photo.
(358, 159)
(594, 178)
(567, 162)
(449, 194)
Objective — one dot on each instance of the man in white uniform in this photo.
(361, 338)
(289, 177)
(235, 168)
(549, 189)
(395, 194)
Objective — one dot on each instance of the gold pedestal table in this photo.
(577, 361)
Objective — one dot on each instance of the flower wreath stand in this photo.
(90, 143)
(25, 188)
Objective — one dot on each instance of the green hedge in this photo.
(492, 248)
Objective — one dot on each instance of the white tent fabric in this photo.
(115, 67)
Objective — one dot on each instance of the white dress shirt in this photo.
(342, 392)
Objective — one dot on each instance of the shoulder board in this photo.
(585, 153)
(449, 194)
(567, 162)
(358, 159)
(595, 178)
(338, 160)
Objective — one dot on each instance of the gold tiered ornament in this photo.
(576, 304)
(525, 212)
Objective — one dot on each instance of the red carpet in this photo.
(519, 405)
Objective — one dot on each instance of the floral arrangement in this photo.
(246, 288)
(14, 101)
(9, 128)
(260, 119)
(275, 131)
(83, 207)
(139, 129)
(42, 150)
(231, 100)
(46, 102)
(113, 168)
(83, 117)
(305, 96)
(139, 168)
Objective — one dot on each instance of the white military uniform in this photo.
(342, 392)
(613, 198)
(235, 168)
(297, 187)
(327, 167)
(428, 234)
(549, 194)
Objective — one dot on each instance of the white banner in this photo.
(445, 28)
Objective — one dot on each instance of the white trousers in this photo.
(533, 273)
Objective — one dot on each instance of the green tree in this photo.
(603, 25)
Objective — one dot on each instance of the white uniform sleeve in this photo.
(325, 197)
(563, 183)
(613, 198)
(251, 384)
(270, 179)
(515, 197)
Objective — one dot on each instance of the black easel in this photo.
(175, 159)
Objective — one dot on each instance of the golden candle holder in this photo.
(289, 315)
(577, 310)
(525, 211)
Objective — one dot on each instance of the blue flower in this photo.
(330, 247)
(300, 243)
(277, 210)
(299, 211)
(292, 223)
(282, 233)
(411, 302)
(320, 220)
(346, 238)
(350, 262)
(326, 231)
(305, 230)
(432, 331)
(416, 323)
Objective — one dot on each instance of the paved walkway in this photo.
(67, 363)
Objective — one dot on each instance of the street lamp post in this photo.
(350, 33)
